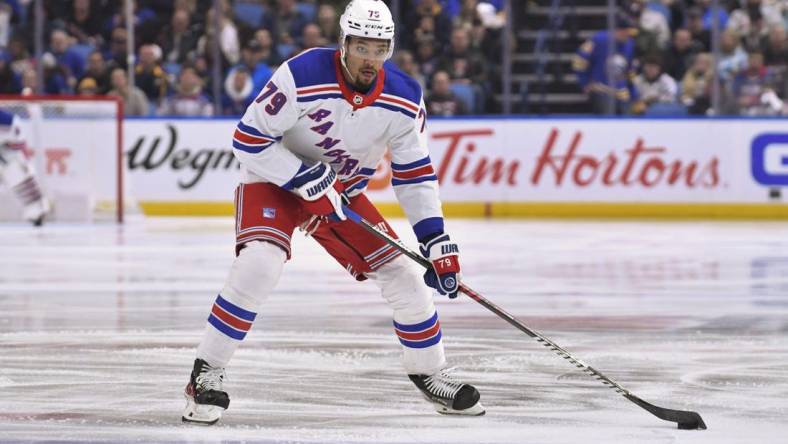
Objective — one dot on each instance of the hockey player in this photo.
(16, 170)
(308, 144)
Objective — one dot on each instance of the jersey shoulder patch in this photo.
(400, 93)
(313, 67)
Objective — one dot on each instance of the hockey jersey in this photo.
(10, 131)
(307, 113)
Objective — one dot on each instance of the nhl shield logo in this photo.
(269, 213)
(357, 99)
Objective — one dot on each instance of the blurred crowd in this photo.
(663, 62)
(441, 43)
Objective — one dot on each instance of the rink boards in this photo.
(684, 168)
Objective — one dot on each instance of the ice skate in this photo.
(205, 400)
(448, 395)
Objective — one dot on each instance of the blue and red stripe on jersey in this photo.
(317, 92)
(231, 319)
(250, 139)
(414, 172)
(421, 335)
(394, 103)
(359, 181)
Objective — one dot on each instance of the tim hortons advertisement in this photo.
(719, 161)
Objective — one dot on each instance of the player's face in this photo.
(364, 58)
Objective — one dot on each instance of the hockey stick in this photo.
(686, 420)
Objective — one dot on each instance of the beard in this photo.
(362, 82)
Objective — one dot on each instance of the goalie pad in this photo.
(17, 173)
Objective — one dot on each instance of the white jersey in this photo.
(307, 114)
(10, 131)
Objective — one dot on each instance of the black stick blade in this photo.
(685, 419)
(690, 421)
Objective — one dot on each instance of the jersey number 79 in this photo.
(277, 101)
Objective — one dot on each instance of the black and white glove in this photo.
(443, 254)
(322, 194)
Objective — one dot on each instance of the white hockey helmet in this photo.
(368, 19)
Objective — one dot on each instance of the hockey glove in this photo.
(323, 195)
(443, 254)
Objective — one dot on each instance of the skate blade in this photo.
(475, 410)
(201, 414)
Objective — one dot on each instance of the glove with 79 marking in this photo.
(443, 254)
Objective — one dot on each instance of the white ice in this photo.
(99, 324)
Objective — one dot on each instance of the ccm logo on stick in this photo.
(769, 156)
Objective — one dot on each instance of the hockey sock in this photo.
(253, 275)
(415, 318)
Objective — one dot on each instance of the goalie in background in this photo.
(16, 170)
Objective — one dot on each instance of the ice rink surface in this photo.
(99, 324)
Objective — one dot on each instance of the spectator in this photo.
(228, 39)
(10, 83)
(601, 77)
(405, 61)
(98, 71)
(83, 24)
(775, 47)
(463, 63)
(311, 37)
(653, 86)
(238, 92)
(775, 55)
(695, 25)
(149, 75)
(682, 50)
(286, 25)
(144, 16)
(188, 99)
(425, 29)
(252, 59)
(266, 51)
(426, 56)
(750, 85)
(696, 84)
(135, 103)
(441, 101)
(709, 11)
(468, 15)
(190, 6)
(19, 57)
(733, 58)
(60, 45)
(87, 87)
(754, 17)
(29, 81)
(6, 12)
(491, 15)
(327, 20)
(441, 22)
(177, 41)
(654, 18)
(117, 54)
(55, 77)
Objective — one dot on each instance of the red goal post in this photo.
(76, 144)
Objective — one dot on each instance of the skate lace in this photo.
(210, 378)
(443, 384)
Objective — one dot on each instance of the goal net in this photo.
(76, 146)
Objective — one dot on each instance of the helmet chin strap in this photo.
(343, 61)
(346, 70)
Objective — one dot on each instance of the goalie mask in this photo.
(367, 19)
